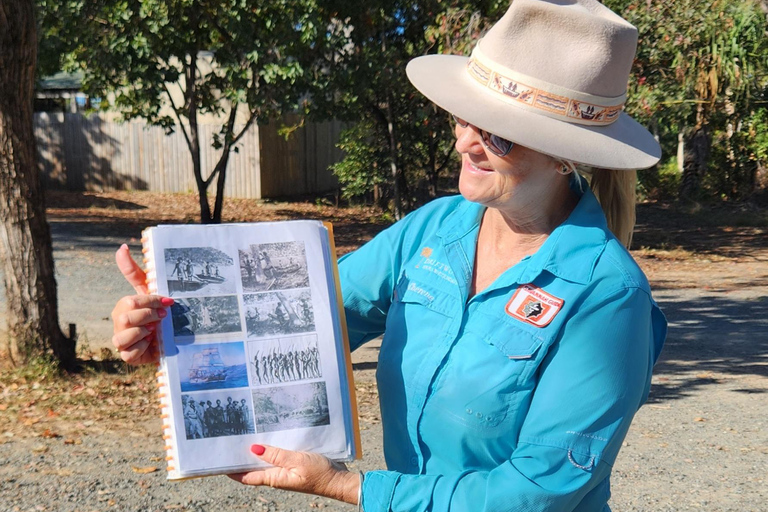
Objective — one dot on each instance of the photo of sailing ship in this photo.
(192, 270)
(212, 366)
(291, 407)
(276, 266)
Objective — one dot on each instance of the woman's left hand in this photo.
(302, 472)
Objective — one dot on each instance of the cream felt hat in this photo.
(551, 75)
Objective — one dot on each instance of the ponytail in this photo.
(615, 190)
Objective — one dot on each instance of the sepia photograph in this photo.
(279, 313)
(291, 407)
(284, 360)
(217, 414)
(212, 366)
(206, 315)
(275, 266)
(196, 270)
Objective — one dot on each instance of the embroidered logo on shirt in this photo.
(426, 252)
(533, 305)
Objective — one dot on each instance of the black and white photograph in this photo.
(276, 266)
(212, 366)
(195, 316)
(291, 407)
(284, 360)
(216, 414)
(279, 313)
(200, 270)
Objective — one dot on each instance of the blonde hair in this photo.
(615, 190)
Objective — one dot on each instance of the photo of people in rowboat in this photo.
(206, 315)
(279, 313)
(195, 270)
(217, 414)
(212, 366)
(277, 266)
(291, 407)
(284, 360)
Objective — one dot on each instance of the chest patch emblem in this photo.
(533, 305)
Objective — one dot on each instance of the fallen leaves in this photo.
(144, 470)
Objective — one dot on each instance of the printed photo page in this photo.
(253, 350)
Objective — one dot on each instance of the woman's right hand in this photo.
(136, 317)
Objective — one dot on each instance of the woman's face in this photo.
(506, 183)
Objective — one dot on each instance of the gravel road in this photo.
(701, 442)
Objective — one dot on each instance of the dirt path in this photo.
(701, 443)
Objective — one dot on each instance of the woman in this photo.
(519, 334)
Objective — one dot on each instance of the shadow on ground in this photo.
(712, 337)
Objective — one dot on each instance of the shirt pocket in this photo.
(419, 313)
(498, 361)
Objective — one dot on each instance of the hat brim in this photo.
(624, 144)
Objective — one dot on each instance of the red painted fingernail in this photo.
(162, 313)
(166, 301)
(258, 449)
(150, 327)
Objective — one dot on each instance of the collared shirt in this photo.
(519, 397)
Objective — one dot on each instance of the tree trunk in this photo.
(25, 238)
(695, 162)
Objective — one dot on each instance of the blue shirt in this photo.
(519, 397)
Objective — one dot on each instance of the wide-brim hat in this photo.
(551, 75)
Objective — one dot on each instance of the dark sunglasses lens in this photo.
(460, 121)
(497, 145)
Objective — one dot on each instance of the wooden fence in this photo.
(96, 154)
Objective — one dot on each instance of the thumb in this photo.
(131, 270)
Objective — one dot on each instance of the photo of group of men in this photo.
(217, 414)
(192, 269)
(284, 360)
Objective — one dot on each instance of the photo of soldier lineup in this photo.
(274, 266)
(216, 414)
(200, 270)
(284, 360)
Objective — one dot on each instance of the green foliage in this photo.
(660, 183)
(701, 63)
(170, 61)
(400, 128)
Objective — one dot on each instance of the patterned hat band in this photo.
(542, 97)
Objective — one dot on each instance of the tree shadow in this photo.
(722, 230)
(76, 153)
(711, 337)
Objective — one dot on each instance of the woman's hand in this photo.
(310, 473)
(136, 317)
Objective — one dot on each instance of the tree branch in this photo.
(178, 117)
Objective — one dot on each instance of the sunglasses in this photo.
(494, 143)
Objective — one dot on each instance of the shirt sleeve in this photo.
(368, 277)
(591, 382)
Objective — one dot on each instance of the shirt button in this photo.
(479, 415)
(469, 411)
(414, 460)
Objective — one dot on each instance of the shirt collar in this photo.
(570, 252)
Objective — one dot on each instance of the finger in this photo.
(250, 478)
(277, 456)
(131, 270)
(141, 317)
(134, 354)
(127, 338)
(121, 315)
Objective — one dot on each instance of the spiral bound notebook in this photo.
(255, 348)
